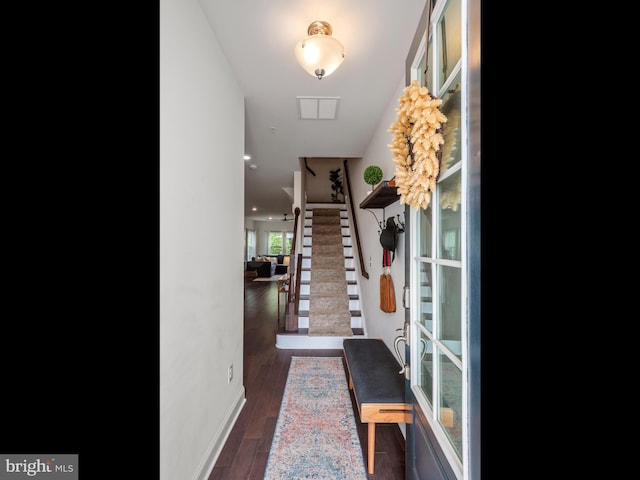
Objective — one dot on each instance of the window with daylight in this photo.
(250, 244)
(280, 243)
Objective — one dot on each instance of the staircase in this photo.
(329, 290)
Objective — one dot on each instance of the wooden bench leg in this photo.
(371, 447)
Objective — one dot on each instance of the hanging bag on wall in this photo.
(391, 295)
(383, 290)
(389, 241)
(387, 292)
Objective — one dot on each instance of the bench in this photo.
(377, 386)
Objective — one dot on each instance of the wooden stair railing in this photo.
(295, 262)
(354, 220)
(293, 295)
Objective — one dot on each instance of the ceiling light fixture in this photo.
(247, 157)
(319, 53)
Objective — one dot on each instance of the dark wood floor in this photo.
(245, 453)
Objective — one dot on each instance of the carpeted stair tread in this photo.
(319, 212)
(328, 303)
(330, 239)
(326, 288)
(327, 250)
(331, 263)
(325, 220)
(325, 228)
(329, 275)
(330, 331)
(329, 312)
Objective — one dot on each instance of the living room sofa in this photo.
(263, 269)
(268, 266)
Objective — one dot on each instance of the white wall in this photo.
(201, 286)
(318, 187)
(379, 324)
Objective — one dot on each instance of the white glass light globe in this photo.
(319, 55)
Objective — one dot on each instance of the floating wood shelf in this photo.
(382, 196)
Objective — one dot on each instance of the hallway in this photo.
(245, 453)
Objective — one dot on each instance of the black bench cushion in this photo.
(374, 371)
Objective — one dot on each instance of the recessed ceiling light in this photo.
(253, 166)
(254, 209)
(247, 157)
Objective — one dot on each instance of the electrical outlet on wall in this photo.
(230, 373)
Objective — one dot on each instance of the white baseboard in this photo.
(213, 452)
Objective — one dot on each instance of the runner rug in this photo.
(316, 435)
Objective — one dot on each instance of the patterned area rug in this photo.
(316, 435)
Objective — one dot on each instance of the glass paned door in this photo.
(437, 318)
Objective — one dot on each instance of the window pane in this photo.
(429, 72)
(422, 72)
(450, 388)
(251, 244)
(451, 108)
(289, 242)
(425, 316)
(275, 243)
(449, 308)
(425, 367)
(449, 194)
(424, 230)
(449, 40)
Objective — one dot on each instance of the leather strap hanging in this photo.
(383, 292)
(387, 292)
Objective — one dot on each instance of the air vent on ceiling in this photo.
(317, 108)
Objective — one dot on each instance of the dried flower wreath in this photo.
(416, 142)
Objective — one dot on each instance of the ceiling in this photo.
(258, 38)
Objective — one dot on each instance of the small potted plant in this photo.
(372, 176)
